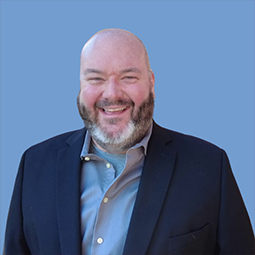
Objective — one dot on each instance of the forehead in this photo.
(113, 52)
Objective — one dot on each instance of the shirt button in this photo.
(87, 158)
(108, 165)
(105, 200)
(100, 240)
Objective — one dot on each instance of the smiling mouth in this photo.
(117, 109)
(112, 110)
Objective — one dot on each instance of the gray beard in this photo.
(134, 131)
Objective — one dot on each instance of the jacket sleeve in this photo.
(15, 242)
(235, 235)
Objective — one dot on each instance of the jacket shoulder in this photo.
(57, 141)
(188, 143)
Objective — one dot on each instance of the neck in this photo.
(113, 149)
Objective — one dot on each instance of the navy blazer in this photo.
(187, 203)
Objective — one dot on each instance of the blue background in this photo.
(202, 53)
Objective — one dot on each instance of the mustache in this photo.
(120, 102)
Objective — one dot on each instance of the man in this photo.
(124, 185)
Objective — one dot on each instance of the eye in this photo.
(129, 78)
(95, 80)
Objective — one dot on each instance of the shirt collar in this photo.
(143, 143)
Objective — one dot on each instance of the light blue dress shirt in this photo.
(108, 196)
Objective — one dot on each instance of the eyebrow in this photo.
(131, 69)
(91, 70)
(127, 70)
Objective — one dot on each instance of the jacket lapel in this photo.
(155, 179)
(68, 194)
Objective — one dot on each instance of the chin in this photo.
(115, 132)
(114, 136)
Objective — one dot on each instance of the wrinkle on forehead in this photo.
(118, 37)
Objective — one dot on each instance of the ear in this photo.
(152, 82)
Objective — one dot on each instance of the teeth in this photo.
(115, 109)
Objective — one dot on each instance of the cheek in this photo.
(138, 96)
(88, 97)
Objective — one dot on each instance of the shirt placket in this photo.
(98, 241)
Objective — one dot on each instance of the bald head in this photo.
(115, 40)
(116, 98)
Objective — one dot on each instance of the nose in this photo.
(112, 89)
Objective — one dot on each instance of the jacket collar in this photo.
(68, 194)
(154, 184)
